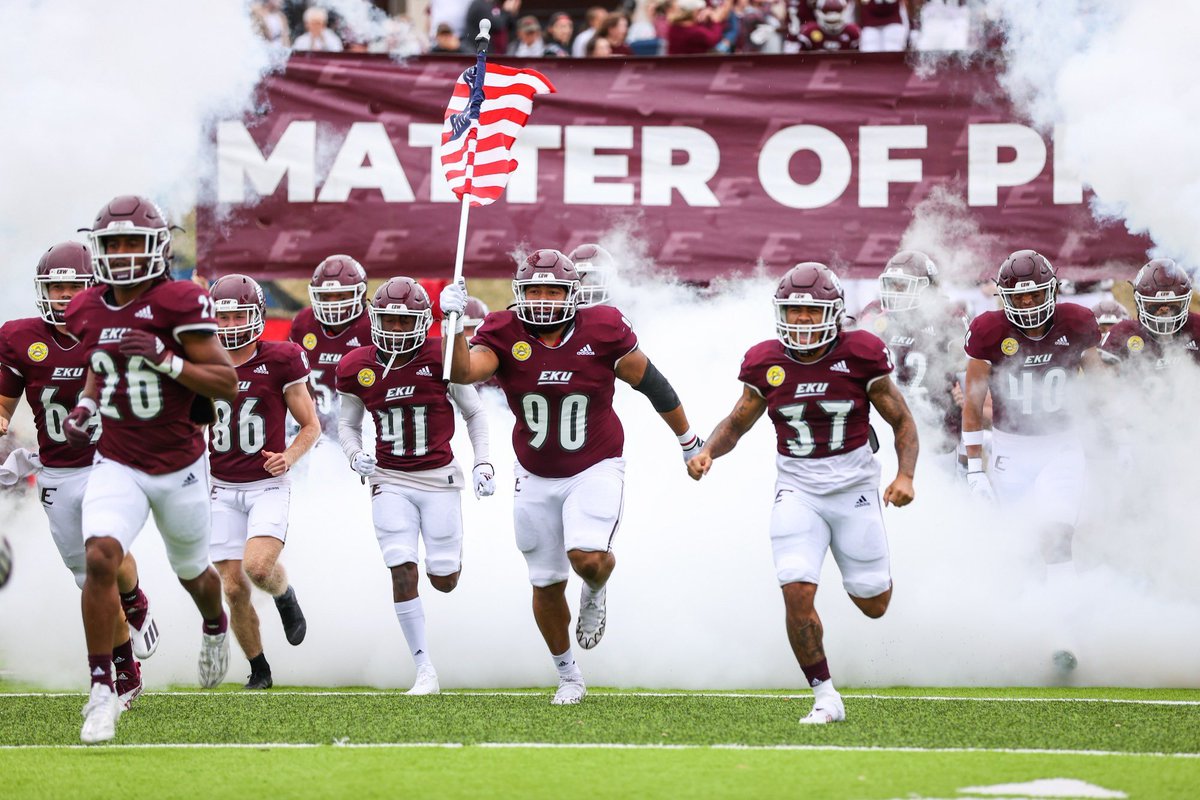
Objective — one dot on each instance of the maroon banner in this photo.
(719, 164)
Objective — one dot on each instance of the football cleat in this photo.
(589, 628)
(214, 659)
(143, 630)
(294, 624)
(571, 691)
(426, 683)
(259, 680)
(827, 708)
(129, 685)
(100, 715)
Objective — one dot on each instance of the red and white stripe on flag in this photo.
(507, 102)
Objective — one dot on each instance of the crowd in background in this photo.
(637, 27)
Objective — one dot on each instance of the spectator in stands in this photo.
(317, 36)
(502, 13)
(696, 28)
(614, 28)
(595, 17)
(271, 23)
(529, 42)
(760, 28)
(598, 47)
(445, 40)
(558, 35)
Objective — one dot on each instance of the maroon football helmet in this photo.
(596, 267)
(1109, 312)
(1163, 293)
(474, 313)
(812, 285)
(832, 15)
(1026, 272)
(125, 216)
(239, 294)
(546, 267)
(338, 275)
(904, 279)
(399, 298)
(66, 262)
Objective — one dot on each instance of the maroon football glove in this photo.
(146, 345)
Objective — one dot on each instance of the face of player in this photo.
(336, 297)
(1163, 309)
(61, 293)
(232, 319)
(398, 323)
(546, 292)
(1029, 299)
(1105, 327)
(121, 244)
(805, 315)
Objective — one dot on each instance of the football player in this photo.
(251, 490)
(833, 30)
(1166, 331)
(153, 363)
(45, 362)
(334, 325)
(415, 480)
(597, 268)
(817, 383)
(1028, 356)
(1108, 313)
(557, 365)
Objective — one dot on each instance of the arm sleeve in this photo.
(471, 408)
(350, 425)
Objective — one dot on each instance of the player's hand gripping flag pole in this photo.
(489, 107)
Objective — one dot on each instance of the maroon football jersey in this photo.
(877, 13)
(1130, 343)
(414, 420)
(145, 413)
(51, 369)
(255, 421)
(818, 409)
(561, 396)
(811, 37)
(1030, 378)
(325, 350)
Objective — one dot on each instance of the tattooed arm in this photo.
(725, 436)
(891, 406)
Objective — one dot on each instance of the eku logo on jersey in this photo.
(66, 373)
(803, 389)
(329, 358)
(398, 392)
(1042, 359)
(243, 386)
(554, 376)
(112, 335)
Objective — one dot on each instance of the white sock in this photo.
(824, 689)
(566, 666)
(411, 616)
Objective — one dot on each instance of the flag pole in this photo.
(482, 40)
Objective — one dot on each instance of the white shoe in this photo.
(570, 691)
(426, 683)
(214, 659)
(145, 638)
(827, 708)
(589, 628)
(100, 715)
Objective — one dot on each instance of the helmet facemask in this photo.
(1164, 324)
(545, 312)
(899, 291)
(808, 337)
(55, 311)
(337, 312)
(398, 342)
(127, 269)
(1034, 316)
(594, 283)
(234, 337)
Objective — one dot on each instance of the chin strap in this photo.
(390, 363)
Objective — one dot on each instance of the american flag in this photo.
(481, 124)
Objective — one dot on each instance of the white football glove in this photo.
(454, 301)
(484, 476)
(692, 447)
(363, 464)
(980, 486)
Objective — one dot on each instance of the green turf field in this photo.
(903, 743)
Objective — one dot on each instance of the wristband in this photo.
(89, 404)
(974, 465)
(687, 438)
(970, 438)
(174, 367)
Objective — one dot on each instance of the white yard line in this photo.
(592, 746)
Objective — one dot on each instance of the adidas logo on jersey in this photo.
(144, 313)
(1192, 345)
(190, 479)
(353, 342)
(586, 350)
(261, 369)
(1062, 342)
(862, 501)
(840, 367)
(425, 372)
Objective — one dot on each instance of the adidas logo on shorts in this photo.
(425, 372)
(190, 479)
(353, 342)
(862, 501)
(586, 350)
(1062, 342)
(261, 369)
(840, 367)
(144, 313)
